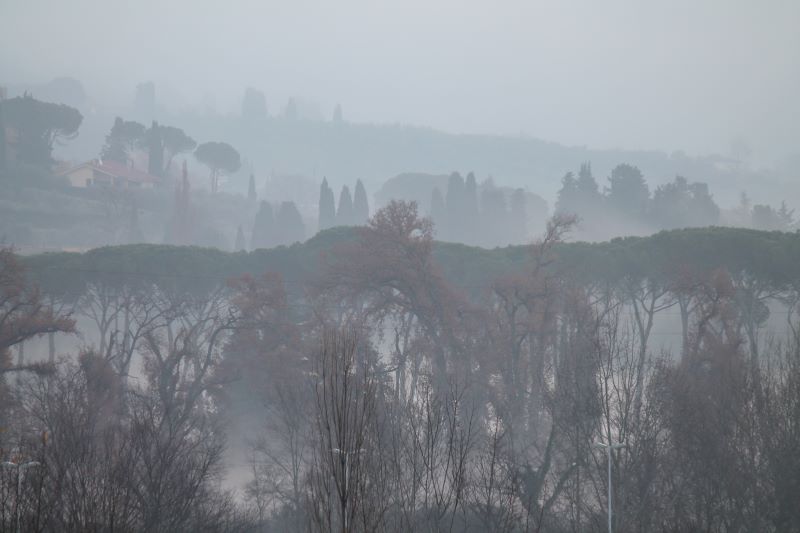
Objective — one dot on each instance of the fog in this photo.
(682, 75)
(392, 267)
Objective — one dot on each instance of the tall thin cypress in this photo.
(344, 215)
(180, 230)
(454, 203)
(290, 223)
(263, 235)
(360, 204)
(240, 245)
(327, 206)
(251, 189)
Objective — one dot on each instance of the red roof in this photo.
(115, 169)
(123, 171)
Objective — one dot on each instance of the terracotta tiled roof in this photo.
(116, 170)
(123, 171)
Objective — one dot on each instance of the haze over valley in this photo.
(399, 266)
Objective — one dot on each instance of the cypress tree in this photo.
(494, 216)
(263, 228)
(360, 205)
(568, 196)
(251, 189)
(240, 245)
(471, 196)
(344, 216)
(469, 214)
(327, 206)
(123, 138)
(114, 149)
(587, 185)
(180, 229)
(290, 224)
(454, 202)
(628, 191)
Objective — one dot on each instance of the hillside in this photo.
(375, 152)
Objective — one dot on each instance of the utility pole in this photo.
(609, 447)
(21, 467)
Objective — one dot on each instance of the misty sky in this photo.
(672, 75)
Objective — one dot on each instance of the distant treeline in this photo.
(465, 211)
(290, 137)
(495, 219)
(626, 205)
(771, 258)
(762, 267)
(397, 383)
(402, 369)
(352, 210)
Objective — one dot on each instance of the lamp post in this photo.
(609, 447)
(347, 454)
(21, 467)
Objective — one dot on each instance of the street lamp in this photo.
(21, 467)
(609, 447)
(347, 454)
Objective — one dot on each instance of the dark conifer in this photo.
(344, 215)
(251, 189)
(240, 245)
(327, 206)
(263, 235)
(360, 205)
(289, 224)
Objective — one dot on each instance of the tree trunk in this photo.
(684, 307)
(51, 339)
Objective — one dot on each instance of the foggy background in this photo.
(534, 226)
(683, 75)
